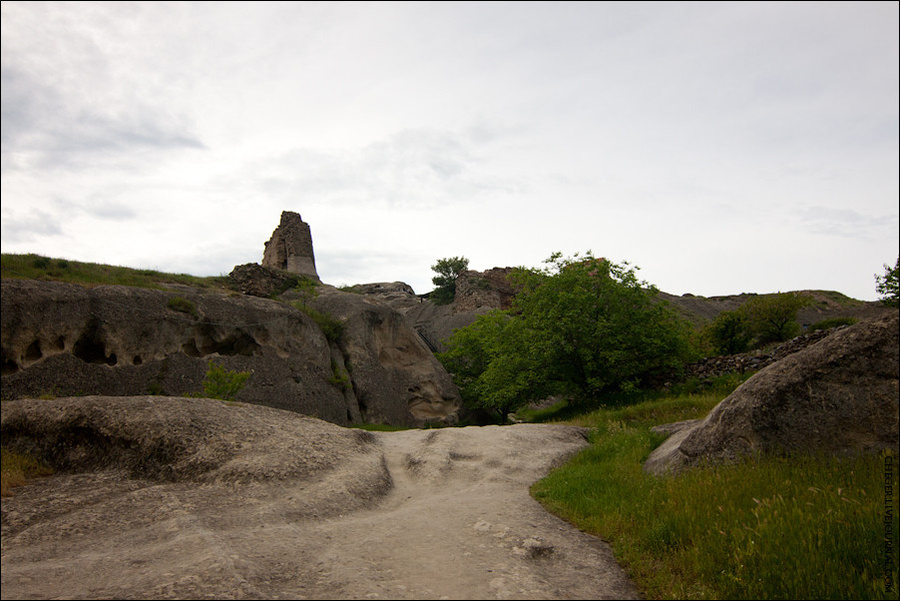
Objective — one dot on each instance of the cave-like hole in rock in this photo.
(33, 352)
(90, 347)
(190, 349)
(9, 366)
(137, 360)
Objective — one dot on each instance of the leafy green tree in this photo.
(582, 327)
(448, 270)
(773, 317)
(887, 285)
(731, 332)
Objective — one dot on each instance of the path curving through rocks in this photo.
(448, 516)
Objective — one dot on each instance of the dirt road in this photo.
(450, 518)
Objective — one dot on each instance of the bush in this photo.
(834, 322)
(731, 333)
(224, 384)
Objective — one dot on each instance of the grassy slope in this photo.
(94, 274)
(769, 528)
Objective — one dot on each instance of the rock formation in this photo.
(395, 376)
(290, 247)
(62, 339)
(176, 439)
(837, 396)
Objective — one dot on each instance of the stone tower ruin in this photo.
(290, 247)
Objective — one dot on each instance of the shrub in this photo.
(223, 384)
(834, 322)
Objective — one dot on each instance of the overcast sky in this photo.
(720, 148)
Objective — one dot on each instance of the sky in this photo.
(719, 148)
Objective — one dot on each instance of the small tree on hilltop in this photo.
(887, 286)
(773, 317)
(448, 270)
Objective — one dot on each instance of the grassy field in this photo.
(766, 528)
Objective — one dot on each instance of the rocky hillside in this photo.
(363, 355)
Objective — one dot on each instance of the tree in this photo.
(887, 285)
(731, 332)
(448, 270)
(582, 327)
(773, 317)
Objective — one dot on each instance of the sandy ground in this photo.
(451, 519)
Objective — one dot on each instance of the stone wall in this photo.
(711, 367)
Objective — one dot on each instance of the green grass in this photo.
(765, 528)
(38, 267)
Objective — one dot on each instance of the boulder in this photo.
(838, 396)
(264, 282)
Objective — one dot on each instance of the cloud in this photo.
(68, 104)
(847, 223)
(31, 226)
(418, 168)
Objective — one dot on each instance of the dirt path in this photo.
(457, 522)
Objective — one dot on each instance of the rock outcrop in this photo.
(264, 282)
(396, 378)
(837, 396)
(176, 439)
(290, 248)
(62, 339)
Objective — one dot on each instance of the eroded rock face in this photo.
(837, 396)
(290, 248)
(396, 378)
(61, 339)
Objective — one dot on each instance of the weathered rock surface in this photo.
(840, 395)
(264, 282)
(179, 439)
(268, 504)
(290, 247)
(62, 339)
(396, 378)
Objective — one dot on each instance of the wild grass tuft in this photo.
(17, 468)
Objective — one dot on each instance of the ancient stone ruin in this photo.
(290, 248)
